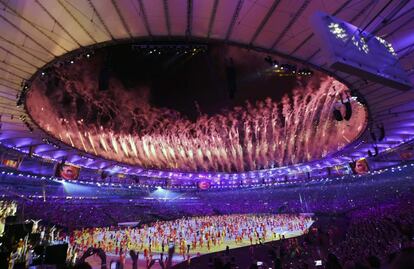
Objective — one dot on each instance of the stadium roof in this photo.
(34, 33)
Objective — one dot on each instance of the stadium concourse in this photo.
(206, 134)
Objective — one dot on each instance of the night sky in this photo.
(181, 82)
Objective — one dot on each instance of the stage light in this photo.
(337, 115)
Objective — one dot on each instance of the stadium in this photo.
(206, 134)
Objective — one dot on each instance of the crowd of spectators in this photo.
(377, 232)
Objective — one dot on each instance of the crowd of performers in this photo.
(192, 235)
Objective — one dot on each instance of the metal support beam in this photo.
(27, 35)
(385, 21)
(17, 67)
(119, 13)
(367, 7)
(20, 58)
(100, 19)
(77, 21)
(11, 73)
(290, 24)
(212, 18)
(301, 44)
(33, 25)
(144, 17)
(391, 32)
(167, 17)
(344, 5)
(58, 23)
(10, 81)
(377, 15)
(189, 18)
(313, 55)
(30, 52)
(264, 21)
(234, 19)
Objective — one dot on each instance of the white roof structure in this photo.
(35, 32)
